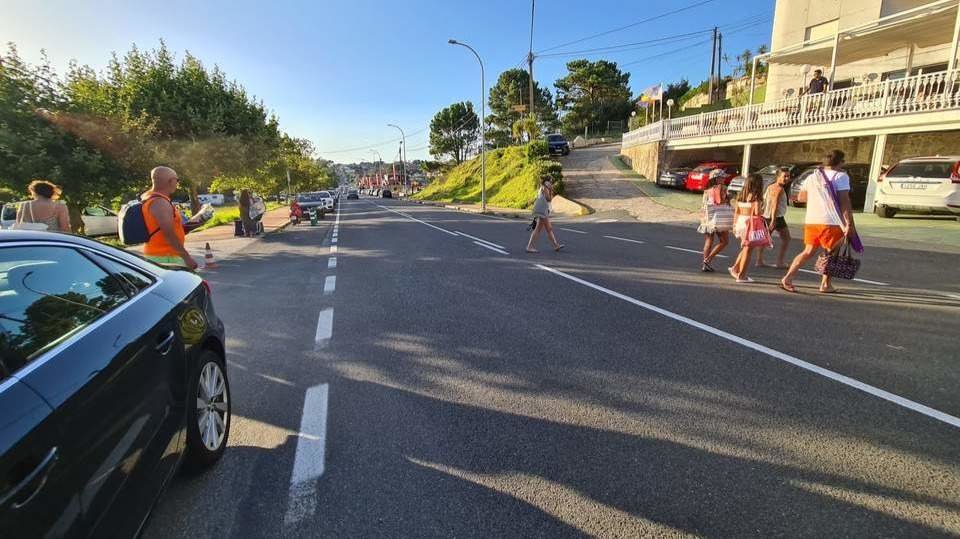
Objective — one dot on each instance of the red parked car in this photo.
(697, 178)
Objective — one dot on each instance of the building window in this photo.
(822, 30)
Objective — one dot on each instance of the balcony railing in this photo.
(922, 93)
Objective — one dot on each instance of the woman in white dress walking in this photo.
(541, 213)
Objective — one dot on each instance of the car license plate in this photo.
(913, 186)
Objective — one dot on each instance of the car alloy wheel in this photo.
(213, 410)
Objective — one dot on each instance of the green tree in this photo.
(527, 129)
(593, 93)
(38, 142)
(453, 131)
(201, 124)
(513, 88)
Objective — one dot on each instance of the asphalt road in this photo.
(438, 387)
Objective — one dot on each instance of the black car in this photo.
(112, 375)
(353, 195)
(386, 193)
(674, 177)
(558, 144)
(859, 178)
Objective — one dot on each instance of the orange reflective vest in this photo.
(158, 245)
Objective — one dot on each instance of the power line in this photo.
(649, 19)
(731, 27)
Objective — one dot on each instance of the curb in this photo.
(518, 214)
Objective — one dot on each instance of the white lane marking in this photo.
(494, 249)
(490, 243)
(690, 251)
(601, 221)
(332, 262)
(877, 283)
(324, 329)
(333, 249)
(417, 220)
(624, 239)
(308, 464)
(333, 240)
(330, 285)
(572, 230)
(954, 296)
(845, 380)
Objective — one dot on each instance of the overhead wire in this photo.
(621, 28)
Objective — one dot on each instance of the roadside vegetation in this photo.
(512, 178)
(97, 134)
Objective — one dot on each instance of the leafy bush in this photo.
(513, 177)
(537, 149)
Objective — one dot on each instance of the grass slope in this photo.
(512, 179)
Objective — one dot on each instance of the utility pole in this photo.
(719, 64)
(530, 54)
(713, 59)
(289, 194)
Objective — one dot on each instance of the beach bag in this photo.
(28, 225)
(840, 263)
(756, 234)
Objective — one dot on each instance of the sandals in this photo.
(558, 247)
(532, 251)
(706, 267)
(830, 290)
(744, 280)
(787, 287)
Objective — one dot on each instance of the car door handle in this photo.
(31, 485)
(166, 343)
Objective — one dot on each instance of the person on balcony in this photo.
(818, 84)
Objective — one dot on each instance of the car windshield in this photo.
(308, 197)
(555, 138)
(323, 194)
(770, 169)
(703, 168)
(930, 169)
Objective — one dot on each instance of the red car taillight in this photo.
(955, 173)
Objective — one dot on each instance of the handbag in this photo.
(840, 263)
(20, 224)
(757, 234)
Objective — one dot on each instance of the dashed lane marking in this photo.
(309, 462)
(481, 240)
(494, 249)
(624, 239)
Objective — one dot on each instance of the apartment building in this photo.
(894, 92)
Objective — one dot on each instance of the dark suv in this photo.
(558, 144)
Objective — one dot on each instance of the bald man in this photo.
(164, 222)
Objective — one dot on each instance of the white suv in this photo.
(920, 184)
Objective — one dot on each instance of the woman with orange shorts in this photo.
(824, 226)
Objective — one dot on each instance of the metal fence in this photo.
(922, 93)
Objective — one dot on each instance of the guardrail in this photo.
(921, 93)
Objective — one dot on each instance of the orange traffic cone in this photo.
(208, 261)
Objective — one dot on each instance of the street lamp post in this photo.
(403, 156)
(483, 128)
(670, 103)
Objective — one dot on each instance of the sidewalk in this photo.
(222, 241)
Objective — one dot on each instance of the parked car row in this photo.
(97, 220)
(379, 193)
(929, 185)
(695, 178)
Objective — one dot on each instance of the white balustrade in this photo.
(922, 93)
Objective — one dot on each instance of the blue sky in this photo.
(336, 72)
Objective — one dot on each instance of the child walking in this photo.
(748, 205)
(716, 220)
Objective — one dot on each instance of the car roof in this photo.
(931, 158)
(8, 236)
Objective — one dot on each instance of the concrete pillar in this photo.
(876, 161)
(745, 166)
